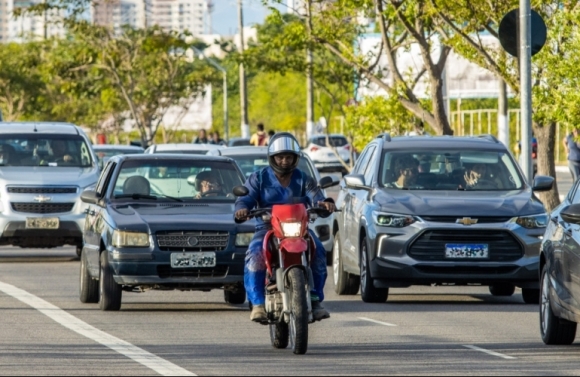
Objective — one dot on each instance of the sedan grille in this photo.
(43, 208)
(430, 246)
(166, 272)
(42, 190)
(193, 241)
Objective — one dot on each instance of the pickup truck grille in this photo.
(42, 208)
(166, 272)
(42, 190)
(193, 241)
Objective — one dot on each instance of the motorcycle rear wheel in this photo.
(279, 335)
(298, 311)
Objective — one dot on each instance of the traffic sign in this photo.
(509, 31)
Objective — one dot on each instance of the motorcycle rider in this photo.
(280, 183)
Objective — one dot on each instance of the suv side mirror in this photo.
(355, 181)
(241, 191)
(327, 182)
(90, 197)
(543, 183)
(571, 214)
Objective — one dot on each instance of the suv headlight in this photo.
(532, 222)
(393, 220)
(244, 239)
(292, 229)
(130, 239)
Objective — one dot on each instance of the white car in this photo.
(251, 159)
(325, 159)
(182, 148)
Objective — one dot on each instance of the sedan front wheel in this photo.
(555, 331)
(110, 292)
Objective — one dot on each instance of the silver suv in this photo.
(44, 168)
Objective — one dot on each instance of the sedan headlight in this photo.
(292, 229)
(532, 222)
(244, 239)
(130, 239)
(392, 220)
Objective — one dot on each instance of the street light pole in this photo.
(243, 86)
(525, 59)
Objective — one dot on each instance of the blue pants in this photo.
(255, 271)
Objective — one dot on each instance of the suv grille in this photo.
(165, 272)
(43, 207)
(430, 246)
(453, 219)
(193, 241)
(42, 190)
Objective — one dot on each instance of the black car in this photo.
(157, 222)
(560, 272)
(438, 210)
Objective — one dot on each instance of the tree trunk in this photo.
(546, 135)
(438, 107)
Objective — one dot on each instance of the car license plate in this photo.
(42, 223)
(192, 260)
(462, 251)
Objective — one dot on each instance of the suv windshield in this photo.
(177, 180)
(44, 150)
(450, 170)
(252, 163)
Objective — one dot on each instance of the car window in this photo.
(252, 163)
(575, 197)
(45, 150)
(108, 153)
(105, 178)
(334, 141)
(364, 160)
(450, 170)
(185, 180)
(360, 160)
(370, 166)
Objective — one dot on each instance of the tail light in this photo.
(314, 149)
(347, 147)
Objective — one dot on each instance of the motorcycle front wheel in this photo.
(297, 290)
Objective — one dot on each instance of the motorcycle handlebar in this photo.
(258, 212)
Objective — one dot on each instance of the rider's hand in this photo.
(329, 206)
(242, 214)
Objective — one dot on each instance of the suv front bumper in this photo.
(14, 231)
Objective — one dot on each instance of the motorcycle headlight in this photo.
(292, 229)
(392, 220)
(532, 222)
(130, 239)
(244, 239)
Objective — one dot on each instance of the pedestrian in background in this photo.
(259, 139)
(201, 138)
(573, 152)
(271, 133)
(215, 139)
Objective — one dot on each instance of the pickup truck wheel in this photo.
(237, 297)
(89, 287)
(502, 290)
(110, 291)
(554, 330)
(368, 291)
(344, 283)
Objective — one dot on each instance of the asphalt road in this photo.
(45, 330)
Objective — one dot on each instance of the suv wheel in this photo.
(502, 290)
(368, 291)
(531, 296)
(235, 297)
(554, 330)
(344, 283)
(110, 291)
(89, 287)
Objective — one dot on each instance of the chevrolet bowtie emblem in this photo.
(466, 221)
(42, 198)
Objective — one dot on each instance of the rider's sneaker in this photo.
(259, 314)
(318, 311)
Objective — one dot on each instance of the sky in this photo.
(225, 15)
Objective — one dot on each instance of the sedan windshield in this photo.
(253, 163)
(450, 170)
(177, 180)
(44, 150)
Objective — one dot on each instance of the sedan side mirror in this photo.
(241, 191)
(355, 181)
(90, 197)
(543, 183)
(327, 182)
(571, 214)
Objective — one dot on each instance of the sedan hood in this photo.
(459, 203)
(47, 175)
(155, 217)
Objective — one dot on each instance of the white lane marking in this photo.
(157, 364)
(491, 352)
(377, 322)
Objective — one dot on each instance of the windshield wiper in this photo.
(136, 196)
(172, 198)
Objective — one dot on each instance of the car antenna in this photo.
(35, 130)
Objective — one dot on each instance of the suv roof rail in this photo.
(386, 137)
(489, 137)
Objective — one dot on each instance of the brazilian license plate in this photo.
(469, 251)
(42, 223)
(193, 260)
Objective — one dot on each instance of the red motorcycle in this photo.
(288, 251)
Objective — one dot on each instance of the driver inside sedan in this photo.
(207, 184)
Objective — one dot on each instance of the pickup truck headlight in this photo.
(130, 239)
(392, 220)
(532, 222)
(244, 239)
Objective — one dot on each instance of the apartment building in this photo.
(17, 29)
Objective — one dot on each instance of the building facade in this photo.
(18, 29)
